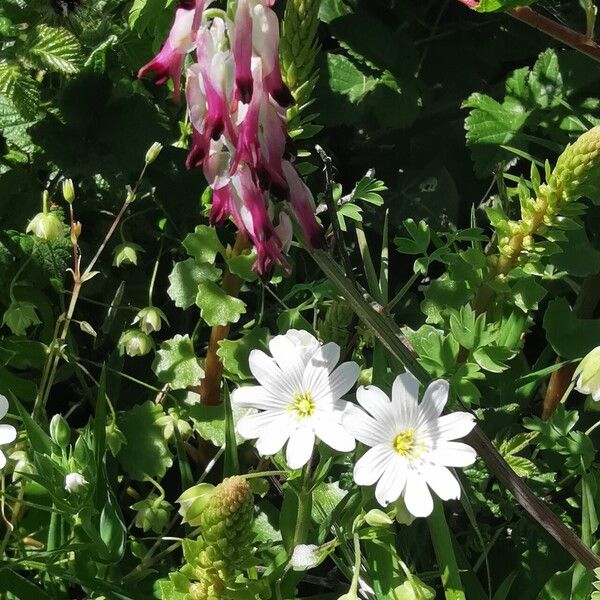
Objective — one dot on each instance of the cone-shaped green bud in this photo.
(68, 190)
(225, 515)
(153, 152)
(577, 170)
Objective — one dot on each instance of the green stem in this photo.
(444, 552)
(304, 508)
(403, 291)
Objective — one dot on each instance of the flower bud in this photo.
(150, 319)
(114, 438)
(60, 432)
(402, 515)
(46, 226)
(75, 482)
(134, 342)
(19, 316)
(193, 501)
(587, 374)
(172, 421)
(153, 152)
(377, 518)
(152, 513)
(126, 254)
(75, 232)
(68, 191)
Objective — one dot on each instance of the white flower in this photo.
(299, 395)
(75, 482)
(8, 433)
(411, 444)
(588, 374)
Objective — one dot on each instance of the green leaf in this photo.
(492, 358)
(176, 363)
(489, 125)
(21, 587)
(57, 49)
(146, 453)
(527, 293)
(209, 422)
(569, 336)
(234, 353)
(545, 80)
(185, 278)
(522, 467)
(498, 5)
(216, 306)
(14, 126)
(466, 327)
(241, 265)
(346, 78)
(368, 189)
(39, 440)
(203, 244)
(21, 89)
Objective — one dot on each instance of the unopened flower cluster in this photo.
(299, 401)
(236, 102)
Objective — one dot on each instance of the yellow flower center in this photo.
(303, 405)
(404, 443)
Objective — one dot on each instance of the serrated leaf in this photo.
(216, 306)
(57, 49)
(13, 125)
(523, 467)
(492, 358)
(146, 453)
(185, 278)
(176, 363)
(209, 422)
(346, 78)
(368, 189)
(21, 89)
(527, 293)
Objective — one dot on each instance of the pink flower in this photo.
(265, 39)
(242, 52)
(303, 206)
(168, 62)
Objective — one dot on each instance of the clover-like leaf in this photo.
(216, 306)
(185, 277)
(234, 353)
(176, 363)
(146, 453)
(203, 244)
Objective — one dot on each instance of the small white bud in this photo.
(74, 482)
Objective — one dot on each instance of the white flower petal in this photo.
(255, 396)
(2, 460)
(333, 434)
(326, 356)
(442, 482)
(306, 343)
(8, 434)
(363, 427)
(392, 482)
(452, 454)
(269, 375)
(371, 465)
(375, 402)
(3, 406)
(417, 496)
(300, 447)
(454, 425)
(405, 393)
(287, 355)
(273, 437)
(434, 400)
(253, 426)
(328, 387)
